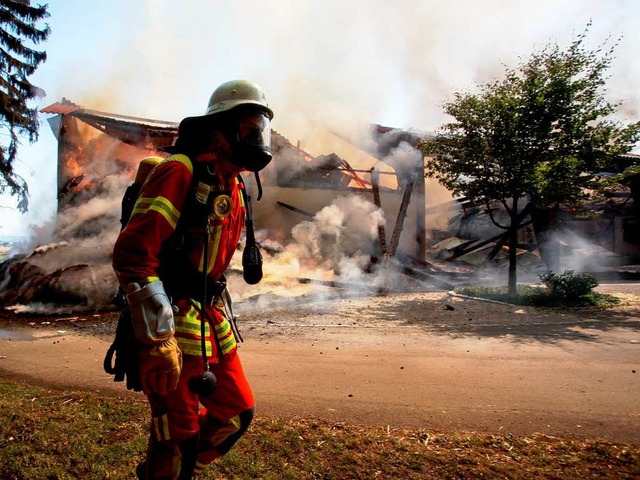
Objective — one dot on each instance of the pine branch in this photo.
(18, 23)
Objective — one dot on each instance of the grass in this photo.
(50, 433)
(539, 296)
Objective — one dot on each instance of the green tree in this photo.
(534, 138)
(18, 33)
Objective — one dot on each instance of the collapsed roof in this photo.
(152, 136)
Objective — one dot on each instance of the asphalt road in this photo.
(425, 360)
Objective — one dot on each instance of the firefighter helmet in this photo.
(235, 93)
(239, 110)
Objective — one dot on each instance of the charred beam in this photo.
(402, 214)
(475, 246)
(375, 184)
(412, 272)
(295, 209)
(331, 283)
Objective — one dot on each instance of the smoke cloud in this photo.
(329, 70)
(325, 66)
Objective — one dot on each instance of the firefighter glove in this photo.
(160, 366)
(151, 312)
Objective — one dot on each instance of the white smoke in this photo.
(332, 66)
(327, 64)
(335, 248)
(346, 228)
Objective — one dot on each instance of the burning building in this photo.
(322, 219)
(329, 210)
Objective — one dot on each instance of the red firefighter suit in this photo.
(144, 253)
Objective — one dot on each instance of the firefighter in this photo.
(170, 260)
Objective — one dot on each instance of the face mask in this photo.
(252, 142)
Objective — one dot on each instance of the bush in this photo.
(569, 286)
(566, 291)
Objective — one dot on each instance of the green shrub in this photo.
(569, 286)
(565, 291)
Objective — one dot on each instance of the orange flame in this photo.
(72, 160)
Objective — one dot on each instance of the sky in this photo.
(332, 64)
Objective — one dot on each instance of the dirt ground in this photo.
(431, 360)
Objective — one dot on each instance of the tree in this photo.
(17, 62)
(536, 137)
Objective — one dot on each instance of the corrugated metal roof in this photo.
(61, 108)
(65, 107)
(132, 130)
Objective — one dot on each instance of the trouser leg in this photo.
(174, 429)
(163, 460)
(227, 413)
(217, 438)
(188, 451)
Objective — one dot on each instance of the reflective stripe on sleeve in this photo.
(160, 205)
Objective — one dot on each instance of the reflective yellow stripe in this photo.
(179, 157)
(190, 323)
(221, 434)
(189, 326)
(241, 198)
(228, 344)
(202, 192)
(192, 346)
(222, 330)
(151, 279)
(159, 204)
(213, 250)
(199, 468)
(160, 428)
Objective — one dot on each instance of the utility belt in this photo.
(182, 281)
(192, 287)
(186, 289)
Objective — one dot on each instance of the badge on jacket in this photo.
(222, 206)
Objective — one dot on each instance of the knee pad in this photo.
(245, 420)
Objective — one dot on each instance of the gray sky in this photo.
(321, 63)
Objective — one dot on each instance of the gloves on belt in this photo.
(160, 366)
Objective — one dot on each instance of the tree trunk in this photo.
(513, 245)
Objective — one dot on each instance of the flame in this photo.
(72, 160)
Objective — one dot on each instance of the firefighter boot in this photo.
(140, 469)
(189, 450)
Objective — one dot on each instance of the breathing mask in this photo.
(250, 136)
